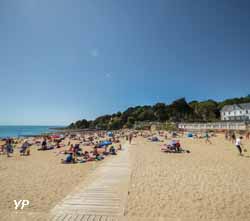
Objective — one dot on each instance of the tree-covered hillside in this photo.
(178, 111)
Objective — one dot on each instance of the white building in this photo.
(222, 125)
(239, 112)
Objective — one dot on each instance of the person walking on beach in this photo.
(233, 137)
(207, 140)
(130, 138)
(238, 145)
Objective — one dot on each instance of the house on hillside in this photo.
(236, 112)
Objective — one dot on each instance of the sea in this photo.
(23, 131)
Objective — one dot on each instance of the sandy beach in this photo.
(212, 182)
(39, 178)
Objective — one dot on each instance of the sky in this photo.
(63, 60)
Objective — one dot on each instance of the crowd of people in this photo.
(103, 143)
(78, 148)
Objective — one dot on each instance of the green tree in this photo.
(115, 124)
(160, 112)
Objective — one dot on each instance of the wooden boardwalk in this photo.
(102, 197)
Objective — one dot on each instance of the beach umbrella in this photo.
(105, 143)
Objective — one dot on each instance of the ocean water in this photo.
(18, 131)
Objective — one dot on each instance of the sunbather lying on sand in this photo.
(154, 139)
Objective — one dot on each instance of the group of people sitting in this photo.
(76, 155)
(173, 147)
(8, 147)
(46, 146)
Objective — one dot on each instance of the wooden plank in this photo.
(103, 197)
(85, 218)
(67, 218)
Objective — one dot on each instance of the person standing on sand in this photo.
(233, 137)
(130, 138)
(9, 147)
(44, 144)
(238, 145)
(247, 135)
(226, 135)
(207, 140)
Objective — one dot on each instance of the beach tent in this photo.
(104, 143)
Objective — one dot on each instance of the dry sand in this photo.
(39, 178)
(212, 182)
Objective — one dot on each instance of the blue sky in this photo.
(63, 60)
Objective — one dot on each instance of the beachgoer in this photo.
(9, 147)
(1, 148)
(44, 144)
(178, 146)
(69, 158)
(247, 135)
(112, 150)
(226, 135)
(130, 138)
(233, 137)
(238, 145)
(120, 147)
(207, 140)
(25, 148)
